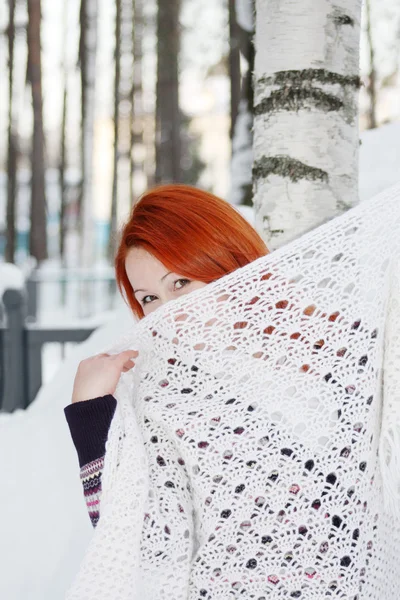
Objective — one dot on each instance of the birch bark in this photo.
(306, 129)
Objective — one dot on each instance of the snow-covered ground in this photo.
(44, 527)
(379, 159)
(11, 278)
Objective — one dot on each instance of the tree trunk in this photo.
(123, 107)
(87, 55)
(63, 143)
(137, 168)
(242, 142)
(234, 64)
(12, 143)
(372, 123)
(117, 76)
(306, 114)
(63, 155)
(38, 237)
(168, 122)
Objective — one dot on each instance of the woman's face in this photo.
(152, 283)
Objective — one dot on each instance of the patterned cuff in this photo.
(91, 481)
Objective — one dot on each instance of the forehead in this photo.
(142, 268)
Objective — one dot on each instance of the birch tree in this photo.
(306, 130)
(38, 235)
(242, 142)
(87, 59)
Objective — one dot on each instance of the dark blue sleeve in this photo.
(89, 423)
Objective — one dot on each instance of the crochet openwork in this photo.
(254, 451)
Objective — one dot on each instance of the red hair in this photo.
(191, 232)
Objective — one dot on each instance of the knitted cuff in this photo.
(89, 422)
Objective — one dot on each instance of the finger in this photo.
(127, 355)
(122, 356)
(128, 366)
(129, 363)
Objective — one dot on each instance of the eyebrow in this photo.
(162, 279)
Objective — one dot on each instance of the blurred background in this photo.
(100, 100)
(104, 99)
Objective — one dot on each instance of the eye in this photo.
(180, 283)
(148, 299)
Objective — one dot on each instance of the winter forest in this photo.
(101, 101)
(289, 110)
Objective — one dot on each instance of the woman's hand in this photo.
(98, 375)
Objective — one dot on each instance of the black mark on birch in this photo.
(306, 77)
(273, 233)
(343, 20)
(300, 89)
(287, 167)
(293, 99)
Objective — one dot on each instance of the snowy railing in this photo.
(21, 346)
(55, 293)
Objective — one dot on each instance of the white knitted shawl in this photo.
(257, 438)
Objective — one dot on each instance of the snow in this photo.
(379, 162)
(379, 159)
(44, 527)
(245, 14)
(247, 212)
(11, 277)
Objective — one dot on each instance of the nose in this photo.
(166, 297)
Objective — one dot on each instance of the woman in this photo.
(177, 239)
(242, 458)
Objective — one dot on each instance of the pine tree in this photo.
(242, 139)
(38, 235)
(87, 59)
(168, 122)
(12, 143)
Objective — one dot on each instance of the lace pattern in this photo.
(243, 459)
